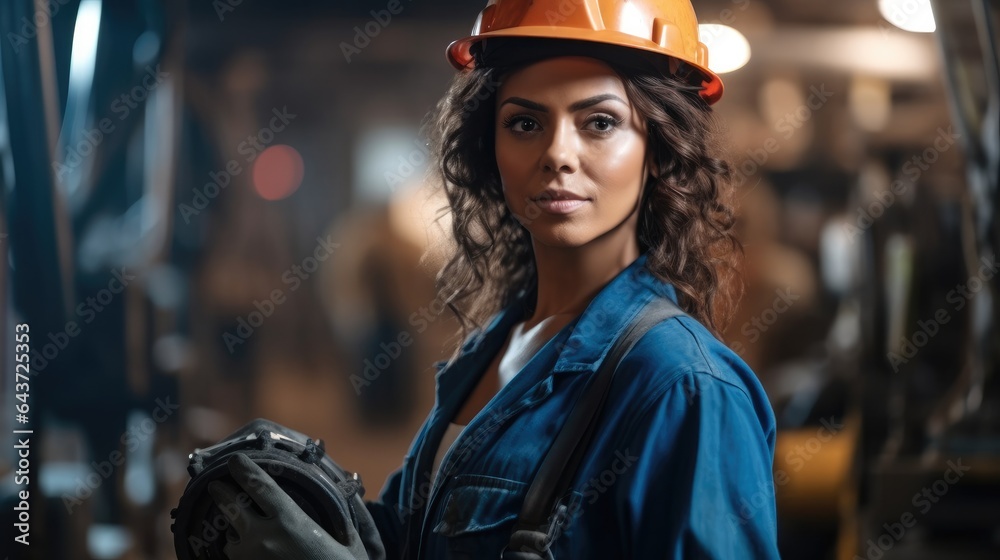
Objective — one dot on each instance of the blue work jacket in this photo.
(679, 467)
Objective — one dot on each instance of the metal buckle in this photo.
(556, 522)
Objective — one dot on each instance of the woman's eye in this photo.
(526, 125)
(520, 124)
(604, 123)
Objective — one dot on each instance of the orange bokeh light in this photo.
(278, 172)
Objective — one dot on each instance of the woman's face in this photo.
(571, 150)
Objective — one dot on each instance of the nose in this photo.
(561, 154)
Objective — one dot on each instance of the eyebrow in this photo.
(576, 106)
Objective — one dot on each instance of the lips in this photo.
(557, 201)
(558, 194)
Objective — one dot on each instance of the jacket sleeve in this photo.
(702, 485)
(385, 513)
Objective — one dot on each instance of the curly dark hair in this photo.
(685, 226)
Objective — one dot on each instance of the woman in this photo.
(578, 164)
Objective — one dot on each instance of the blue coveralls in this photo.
(680, 466)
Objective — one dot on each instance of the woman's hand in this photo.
(523, 545)
(284, 531)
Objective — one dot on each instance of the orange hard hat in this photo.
(667, 28)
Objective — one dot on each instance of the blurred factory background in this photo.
(216, 211)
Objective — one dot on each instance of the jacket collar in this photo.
(595, 329)
(611, 310)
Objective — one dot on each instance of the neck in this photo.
(570, 277)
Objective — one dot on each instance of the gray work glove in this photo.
(284, 531)
(523, 544)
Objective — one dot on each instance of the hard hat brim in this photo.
(460, 56)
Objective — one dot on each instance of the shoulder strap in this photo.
(563, 459)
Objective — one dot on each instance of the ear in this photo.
(652, 165)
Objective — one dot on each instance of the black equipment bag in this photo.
(328, 493)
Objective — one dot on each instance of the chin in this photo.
(563, 236)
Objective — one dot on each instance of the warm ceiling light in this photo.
(908, 15)
(728, 49)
